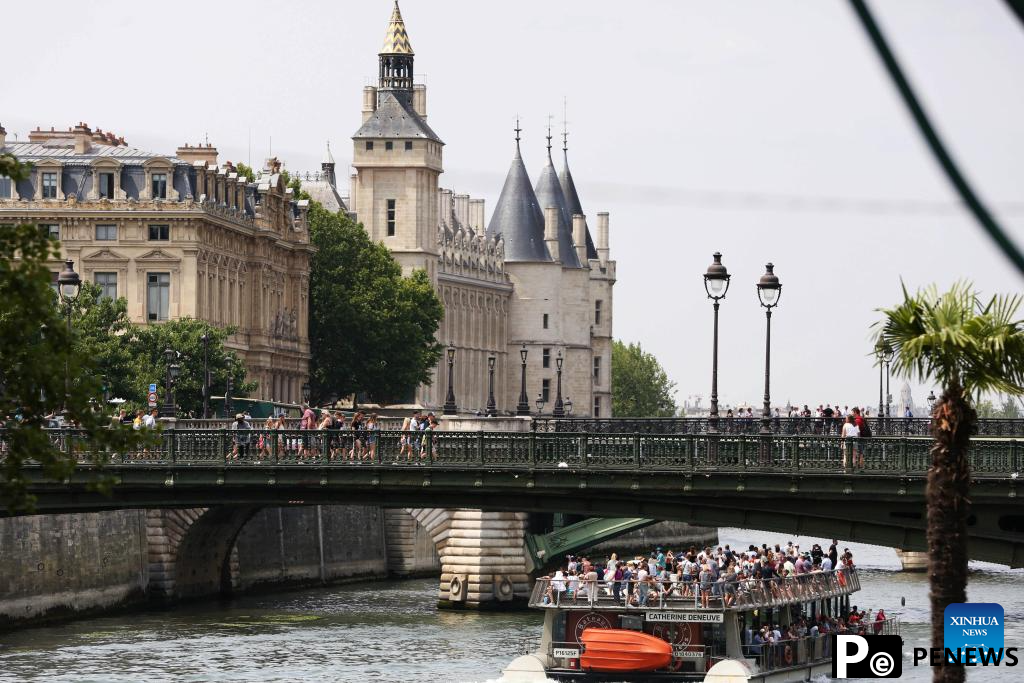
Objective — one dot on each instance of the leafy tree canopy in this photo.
(371, 330)
(640, 386)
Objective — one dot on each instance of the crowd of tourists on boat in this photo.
(709, 577)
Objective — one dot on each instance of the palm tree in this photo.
(969, 348)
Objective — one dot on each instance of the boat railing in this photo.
(676, 593)
(790, 652)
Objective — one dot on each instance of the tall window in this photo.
(160, 233)
(107, 283)
(51, 230)
(49, 186)
(53, 281)
(545, 321)
(545, 358)
(106, 232)
(391, 218)
(597, 312)
(158, 295)
(597, 406)
(159, 189)
(106, 185)
(597, 369)
(6, 187)
(545, 390)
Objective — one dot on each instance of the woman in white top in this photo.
(850, 431)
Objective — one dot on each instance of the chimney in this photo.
(3, 136)
(462, 209)
(369, 102)
(476, 214)
(353, 186)
(579, 236)
(445, 207)
(551, 232)
(602, 237)
(419, 100)
(204, 153)
(82, 136)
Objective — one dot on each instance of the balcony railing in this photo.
(543, 450)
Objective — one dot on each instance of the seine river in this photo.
(391, 632)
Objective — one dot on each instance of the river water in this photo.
(391, 632)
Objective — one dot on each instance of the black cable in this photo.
(973, 203)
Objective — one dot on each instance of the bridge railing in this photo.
(886, 426)
(546, 450)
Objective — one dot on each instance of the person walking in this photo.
(241, 433)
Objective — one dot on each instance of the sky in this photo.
(766, 131)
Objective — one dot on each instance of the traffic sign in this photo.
(152, 399)
(152, 388)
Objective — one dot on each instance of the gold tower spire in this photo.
(396, 40)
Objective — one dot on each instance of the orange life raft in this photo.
(610, 649)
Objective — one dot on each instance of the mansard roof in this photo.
(63, 149)
(395, 119)
(517, 216)
(549, 193)
(572, 200)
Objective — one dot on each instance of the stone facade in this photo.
(177, 236)
(550, 295)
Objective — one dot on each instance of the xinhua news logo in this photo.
(867, 657)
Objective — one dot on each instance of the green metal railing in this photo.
(550, 451)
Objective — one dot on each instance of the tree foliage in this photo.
(640, 386)
(34, 346)
(371, 330)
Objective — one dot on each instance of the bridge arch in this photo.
(192, 550)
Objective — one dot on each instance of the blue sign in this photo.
(152, 388)
(973, 625)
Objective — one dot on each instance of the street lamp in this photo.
(568, 406)
(206, 376)
(884, 353)
(769, 289)
(70, 286)
(716, 284)
(492, 407)
(523, 407)
(540, 402)
(449, 402)
(173, 369)
(305, 393)
(559, 409)
(931, 402)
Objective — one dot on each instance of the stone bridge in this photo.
(470, 491)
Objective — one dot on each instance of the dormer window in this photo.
(49, 185)
(158, 186)
(6, 187)
(106, 185)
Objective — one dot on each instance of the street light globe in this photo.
(69, 281)
(716, 278)
(769, 289)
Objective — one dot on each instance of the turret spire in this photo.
(396, 40)
(396, 56)
(549, 136)
(518, 130)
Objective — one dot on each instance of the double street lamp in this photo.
(769, 289)
(69, 284)
(884, 354)
(559, 409)
(492, 408)
(716, 284)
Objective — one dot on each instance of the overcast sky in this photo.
(767, 131)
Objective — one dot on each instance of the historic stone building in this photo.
(531, 276)
(176, 235)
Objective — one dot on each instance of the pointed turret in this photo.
(327, 165)
(549, 193)
(572, 198)
(396, 40)
(517, 216)
(396, 58)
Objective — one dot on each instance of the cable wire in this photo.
(956, 178)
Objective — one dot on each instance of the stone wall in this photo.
(53, 566)
(411, 550)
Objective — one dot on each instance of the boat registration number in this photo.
(687, 617)
(683, 653)
(565, 652)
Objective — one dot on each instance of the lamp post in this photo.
(450, 408)
(229, 384)
(492, 408)
(540, 403)
(70, 286)
(888, 394)
(769, 289)
(884, 354)
(305, 393)
(568, 406)
(716, 284)
(523, 407)
(931, 402)
(169, 409)
(559, 409)
(206, 376)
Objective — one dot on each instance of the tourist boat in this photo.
(589, 636)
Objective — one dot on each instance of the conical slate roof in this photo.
(549, 193)
(572, 200)
(396, 40)
(517, 216)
